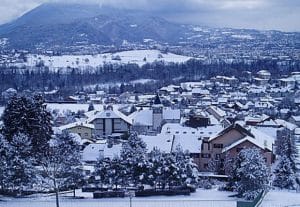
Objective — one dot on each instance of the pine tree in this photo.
(61, 163)
(284, 174)
(170, 171)
(133, 156)
(155, 160)
(20, 164)
(28, 116)
(252, 173)
(187, 168)
(286, 146)
(117, 173)
(102, 168)
(4, 149)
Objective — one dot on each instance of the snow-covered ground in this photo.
(72, 107)
(283, 198)
(139, 57)
(207, 198)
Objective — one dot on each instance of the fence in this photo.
(120, 203)
(255, 203)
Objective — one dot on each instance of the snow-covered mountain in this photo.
(74, 24)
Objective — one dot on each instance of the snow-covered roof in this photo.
(162, 142)
(286, 124)
(77, 124)
(296, 118)
(143, 117)
(200, 91)
(260, 139)
(93, 152)
(179, 130)
(171, 114)
(187, 143)
(110, 114)
(219, 111)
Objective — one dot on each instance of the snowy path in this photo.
(207, 198)
(281, 199)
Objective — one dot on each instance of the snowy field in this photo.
(139, 57)
(205, 198)
(64, 107)
(281, 199)
(72, 107)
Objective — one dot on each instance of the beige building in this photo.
(83, 129)
(229, 142)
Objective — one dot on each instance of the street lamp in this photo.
(131, 195)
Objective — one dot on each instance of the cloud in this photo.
(261, 14)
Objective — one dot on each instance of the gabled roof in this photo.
(143, 117)
(260, 139)
(235, 126)
(110, 114)
(75, 124)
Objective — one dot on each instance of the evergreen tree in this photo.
(102, 168)
(187, 168)
(286, 145)
(20, 164)
(284, 174)
(133, 156)
(252, 173)
(61, 163)
(155, 160)
(4, 149)
(117, 173)
(170, 171)
(28, 116)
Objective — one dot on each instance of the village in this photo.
(211, 120)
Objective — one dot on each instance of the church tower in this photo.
(157, 117)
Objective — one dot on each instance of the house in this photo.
(230, 141)
(216, 112)
(83, 129)
(174, 134)
(101, 149)
(109, 122)
(264, 74)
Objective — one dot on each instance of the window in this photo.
(218, 145)
(205, 155)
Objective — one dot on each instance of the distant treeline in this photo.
(43, 78)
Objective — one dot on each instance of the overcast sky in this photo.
(257, 14)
